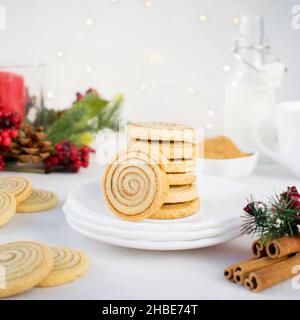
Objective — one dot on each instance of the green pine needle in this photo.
(89, 115)
(271, 220)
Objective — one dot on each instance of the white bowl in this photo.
(231, 168)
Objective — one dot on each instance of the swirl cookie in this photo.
(160, 131)
(134, 185)
(20, 187)
(179, 194)
(25, 265)
(177, 210)
(7, 207)
(170, 149)
(39, 200)
(176, 179)
(180, 166)
(68, 265)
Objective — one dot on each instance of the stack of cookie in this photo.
(178, 149)
(18, 196)
(155, 177)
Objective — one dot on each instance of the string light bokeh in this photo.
(170, 59)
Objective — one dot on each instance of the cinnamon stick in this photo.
(281, 247)
(258, 249)
(266, 277)
(241, 270)
(248, 284)
(229, 272)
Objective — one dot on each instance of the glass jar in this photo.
(251, 92)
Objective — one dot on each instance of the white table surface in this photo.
(120, 273)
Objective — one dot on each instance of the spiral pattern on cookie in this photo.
(68, 264)
(7, 207)
(134, 185)
(25, 264)
(20, 187)
(39, 200)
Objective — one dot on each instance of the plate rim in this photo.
(156, 246)
(144, 234)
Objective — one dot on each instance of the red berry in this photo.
(58, 147)
(85, 164)
(85, 149)
(63, 155)
(6, 142)
(5, 134)
(73, 155)
(55, 160)
(84, 157)
(14, 133)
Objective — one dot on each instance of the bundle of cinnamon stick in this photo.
(272, 264)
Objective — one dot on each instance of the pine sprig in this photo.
(279, 217)
(75, 119)
(85, 118)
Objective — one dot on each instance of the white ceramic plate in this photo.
(222, 201)
(153, 245)
(91, 223)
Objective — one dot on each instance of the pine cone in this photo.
(31, 146)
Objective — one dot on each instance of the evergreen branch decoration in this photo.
(279, 217)
(109, 117)
(87, 116)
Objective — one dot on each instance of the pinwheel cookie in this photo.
(170, 149)
(25, 264)
(20, 187)
(7, 207)
(160, 131)
(134, 185)
(176, 179)
(184, 193)
(180, 166)
(177, 210)
(68, 265)
(39, 200)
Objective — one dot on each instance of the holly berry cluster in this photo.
(68, 158)
(10, 123)
(278, 217)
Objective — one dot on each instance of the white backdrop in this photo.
(170, 58)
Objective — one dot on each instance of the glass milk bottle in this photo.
(251, 92)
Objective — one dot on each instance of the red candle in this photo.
(12, 93)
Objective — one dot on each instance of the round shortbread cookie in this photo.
(177, 210)
(176, 179)
(7, 207)
(179, 194)
(180, 166)
(39, 200)
(20, 187)
(156, 131)
(134, 185)
(25, 264)
(68, 265)
(170, 149)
